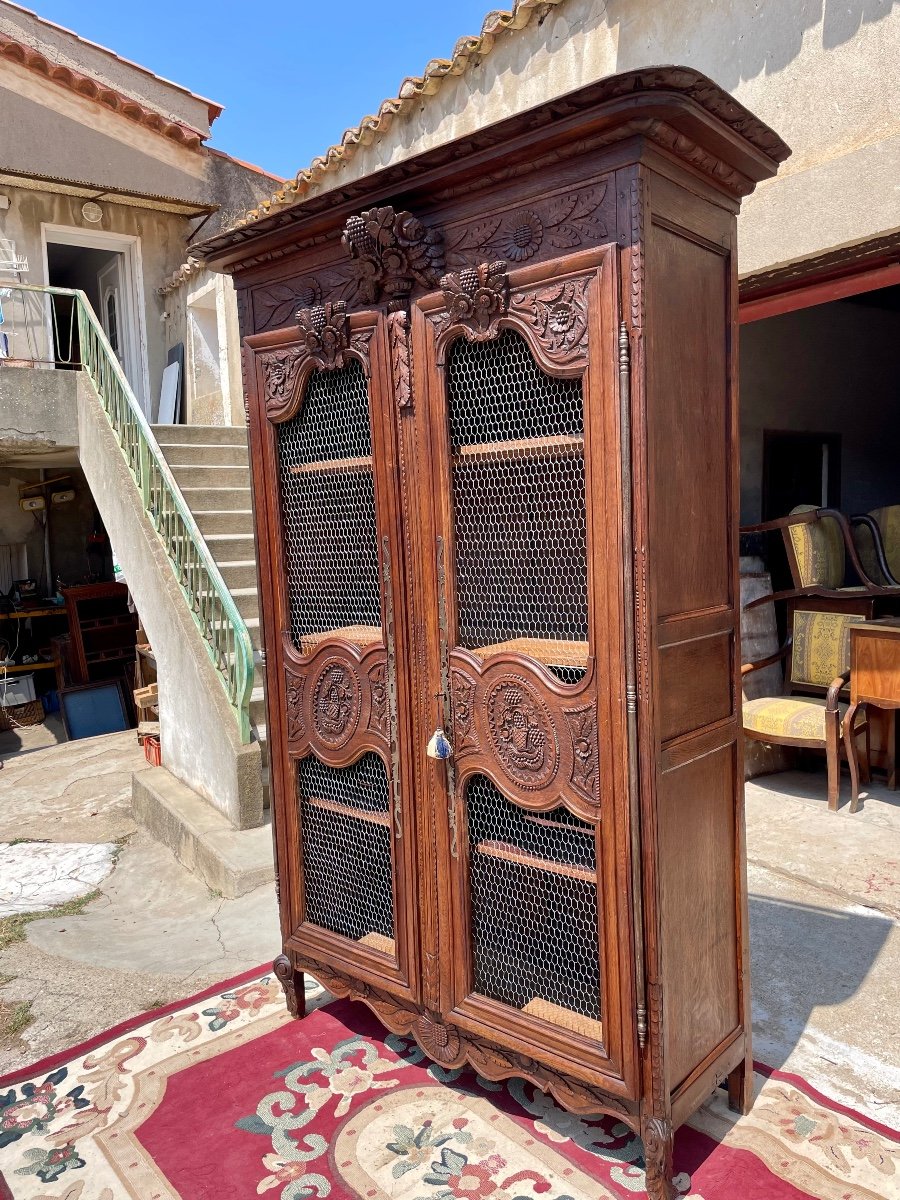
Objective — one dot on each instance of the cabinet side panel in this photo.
(689, 449)
(696, 827)
(691, 553)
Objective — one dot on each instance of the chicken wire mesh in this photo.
(346, 838)
(328, 508)
(533, 899)
(516, 437)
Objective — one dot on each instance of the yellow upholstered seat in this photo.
(798, 718)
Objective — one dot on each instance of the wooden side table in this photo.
(875, 675)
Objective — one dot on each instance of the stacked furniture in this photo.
(495, 480)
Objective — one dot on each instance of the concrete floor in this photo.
(155, 934)
(824, 910)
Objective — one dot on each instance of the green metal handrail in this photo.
(209, 600)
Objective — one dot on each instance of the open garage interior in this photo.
(820, 429)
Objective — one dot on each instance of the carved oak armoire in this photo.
(491, 393)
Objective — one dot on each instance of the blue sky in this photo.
(291, 76)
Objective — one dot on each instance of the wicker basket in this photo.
(13, 715)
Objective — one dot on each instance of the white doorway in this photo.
(107, 268)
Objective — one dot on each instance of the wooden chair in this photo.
(819, 544)
(810, 713)
(876, 536)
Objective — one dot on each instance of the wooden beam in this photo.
(809, 294)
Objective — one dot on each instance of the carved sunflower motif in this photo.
(521, 238)
(440, 1042)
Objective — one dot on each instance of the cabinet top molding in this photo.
(676, 108)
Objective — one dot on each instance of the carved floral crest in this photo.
(391, 252)
(325, 332)
(326, 344)
(476, 299)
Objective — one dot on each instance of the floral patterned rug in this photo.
(223, 1097)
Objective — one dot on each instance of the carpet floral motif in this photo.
(332, 1107)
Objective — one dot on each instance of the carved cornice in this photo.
(452, 1047)
(326, 344)
(391, 253)
(671, 83)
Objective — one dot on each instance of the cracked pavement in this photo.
(155, 934)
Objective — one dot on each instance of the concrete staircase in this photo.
(211, 466)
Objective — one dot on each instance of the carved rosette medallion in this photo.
(378, 716)
(335, 703)
(477, 299)
(583, 728)
(392, 252)
(559, 317)
(521, 732)
(296, 724)
(440, 1042)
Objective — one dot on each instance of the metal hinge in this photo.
(642, 1025)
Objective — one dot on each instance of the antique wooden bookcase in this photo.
(492, 410)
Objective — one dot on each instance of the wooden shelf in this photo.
(23, 614)
(333, 466)
(550, 823)
(359, 635)
(113, 622)
(565, 1018)
(113, 654)
(25, 668)
(550, 653)
(561, 446)
(346, 810)
(524, 858)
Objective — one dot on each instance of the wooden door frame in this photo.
(133, 332)
(833, 276)
(479, 1017)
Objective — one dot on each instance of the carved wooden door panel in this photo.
(524, 610)
(334, 589)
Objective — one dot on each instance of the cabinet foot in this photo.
(658, 1137)
(740, 1088)
(293, 983)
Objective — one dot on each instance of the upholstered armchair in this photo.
(810, 713)
(876, 536)
(819, 545)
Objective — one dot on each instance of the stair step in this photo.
(202, 435)
(238, 574)
(231, 523)
(247, 601)
(258, 707)
(214, 477)
(214, 455)
(232, 547)
(217, 499)
(253, 629)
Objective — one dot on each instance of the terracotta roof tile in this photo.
(495, 24)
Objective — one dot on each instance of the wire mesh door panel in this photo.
(515, 589)
(329, 526)
(516, 439)
(533, 910)
(339, 659)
